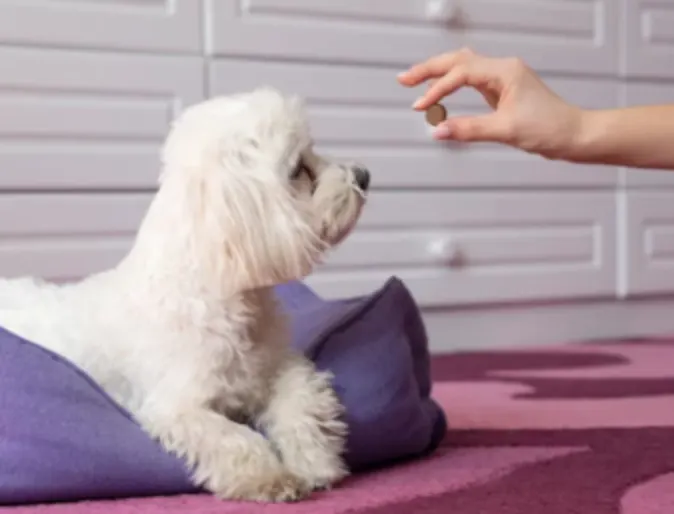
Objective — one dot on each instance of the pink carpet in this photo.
(570, 429)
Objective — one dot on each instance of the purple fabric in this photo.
(564, 429)
(63, 439)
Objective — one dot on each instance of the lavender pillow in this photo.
(63, 439)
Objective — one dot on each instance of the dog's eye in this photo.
(302, 169)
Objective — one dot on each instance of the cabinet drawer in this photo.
(66, 236)
(80, 120)
(649, 38)
(450, 248)
(362, 112)
(647, 238)
(477, 248)
(579, 36)
(156, 25)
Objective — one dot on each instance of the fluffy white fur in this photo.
(184, 332)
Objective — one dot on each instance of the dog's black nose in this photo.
(362, 177)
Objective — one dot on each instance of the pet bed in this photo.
(572, 429)
(63, 439)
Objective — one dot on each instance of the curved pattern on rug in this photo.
(614, 403)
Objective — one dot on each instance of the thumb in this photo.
(487, 127)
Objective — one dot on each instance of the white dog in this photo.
(185, 333)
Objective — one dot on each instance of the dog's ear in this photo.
(255, 232)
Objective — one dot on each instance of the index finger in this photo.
(434, 67)
(477, 74)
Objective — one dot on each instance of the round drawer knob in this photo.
(444, 251)
(441, 10)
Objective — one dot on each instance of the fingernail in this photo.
(418, 102)
(442, 132)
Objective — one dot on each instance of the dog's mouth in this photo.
(362, 193)
(343, 234)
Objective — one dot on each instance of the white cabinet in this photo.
(148, 25)
(362, 113)
(65, 236)
(649, 38)
(647, 243)
(579, 36)
(88, 89)
(454, 248)
(86, 120)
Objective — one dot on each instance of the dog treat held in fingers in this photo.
(436, 114)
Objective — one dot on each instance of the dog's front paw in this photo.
(278, 487)
(320, 468)
(304, 423)
(313, 446)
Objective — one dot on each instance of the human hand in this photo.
(527, 114)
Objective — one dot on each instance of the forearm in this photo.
(640, 137)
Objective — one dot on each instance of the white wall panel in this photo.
(88, 120)
(559, 35)
(649, 38)
(146, 25)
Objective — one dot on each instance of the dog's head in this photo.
(265, 206)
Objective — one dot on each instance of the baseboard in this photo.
(481, 329)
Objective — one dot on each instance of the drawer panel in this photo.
(151, 25)
(79, 120)
(649, 38)
(66, 236)
(647, 238)
(552, 35)
(363, 113)
(477, 248)
(450, 248)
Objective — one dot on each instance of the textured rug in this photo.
(577, 429)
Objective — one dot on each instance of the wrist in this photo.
(588, 132)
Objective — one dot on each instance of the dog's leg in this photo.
(303, 421)
(229, 459)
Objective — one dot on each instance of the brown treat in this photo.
(436, 114)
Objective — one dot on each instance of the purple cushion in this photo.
(62, 438)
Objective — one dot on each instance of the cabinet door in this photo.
(80, 120)
(647, 243)
(648, 94)
(153, 25)
(469, 248)
(649, 38)
(550, 34)
(65, 236)
(362, 113)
